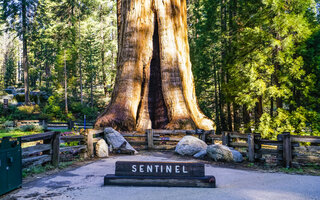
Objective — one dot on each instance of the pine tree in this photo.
(18, 16)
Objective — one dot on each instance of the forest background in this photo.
(256, 63)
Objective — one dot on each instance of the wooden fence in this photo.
(50, 147)
(158, 139)
(41, 148)
(287, 149)
(155, 139)
(19, 123)
(55, 125)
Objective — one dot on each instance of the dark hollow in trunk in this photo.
(154, 86)
(157, 108)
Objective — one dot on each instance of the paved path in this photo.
(86, 183)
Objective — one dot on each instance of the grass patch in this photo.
(61, 130)
(20, 133)
(251, 165)
(39, 169)
(312, 169)
(292, 170)
(36, 170)
(16, 133)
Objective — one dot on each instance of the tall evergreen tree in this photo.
(19, 16)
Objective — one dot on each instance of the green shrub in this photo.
(80, 110)
(2, 118)
(53, 110)
(39, 128)
(19, 97)
(31, 127)
(26, 128)
(8, 124)
(22, 113)
(299, 122)
(32, 109)
(9, 129)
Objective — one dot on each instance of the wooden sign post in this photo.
(168, 174)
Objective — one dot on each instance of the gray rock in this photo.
(237, 156)
(190, 145)
(117, 141)
(200, 154)
(102, 149)
(219, 152)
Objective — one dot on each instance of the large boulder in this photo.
(190, 145)
(237, 156)
(117, 141)
(102, 149)
(219, 152)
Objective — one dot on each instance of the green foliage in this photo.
(52, 109)
(29, 128)
(2, 118)
(8, 124)
(81, 110)
(300, 121)
(10, 67)
(36, 170)
(263, 59)
(255, 63)
(19, 113)
(15, 132)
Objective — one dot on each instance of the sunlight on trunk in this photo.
(154, 86)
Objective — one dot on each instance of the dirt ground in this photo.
(86, 182)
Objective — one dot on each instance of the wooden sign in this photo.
(159, 169)
(165, 174)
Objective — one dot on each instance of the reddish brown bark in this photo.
(154, 86)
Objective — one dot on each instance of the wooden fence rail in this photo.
(287, 149)
(53, 147)
(55, 125)
(40, 152)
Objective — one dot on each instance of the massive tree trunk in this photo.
(154, 85)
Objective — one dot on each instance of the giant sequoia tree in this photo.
(154, 85)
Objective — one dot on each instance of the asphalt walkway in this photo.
(86, 182)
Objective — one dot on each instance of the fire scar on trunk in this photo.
(154, 86)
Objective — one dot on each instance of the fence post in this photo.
(70, 124)
(287, 150)
(44, 124)
(251, 147)
(150, 138)
(225, 138)
(203, 136)
(89, 143)
(55, 149)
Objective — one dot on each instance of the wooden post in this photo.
(287, 150)
(55, 149)
(150, 139)
(225, 138)
(251, 147)
(44, 124)
(70, 125)
(5, 104)
(89, 143)
(203, 136)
